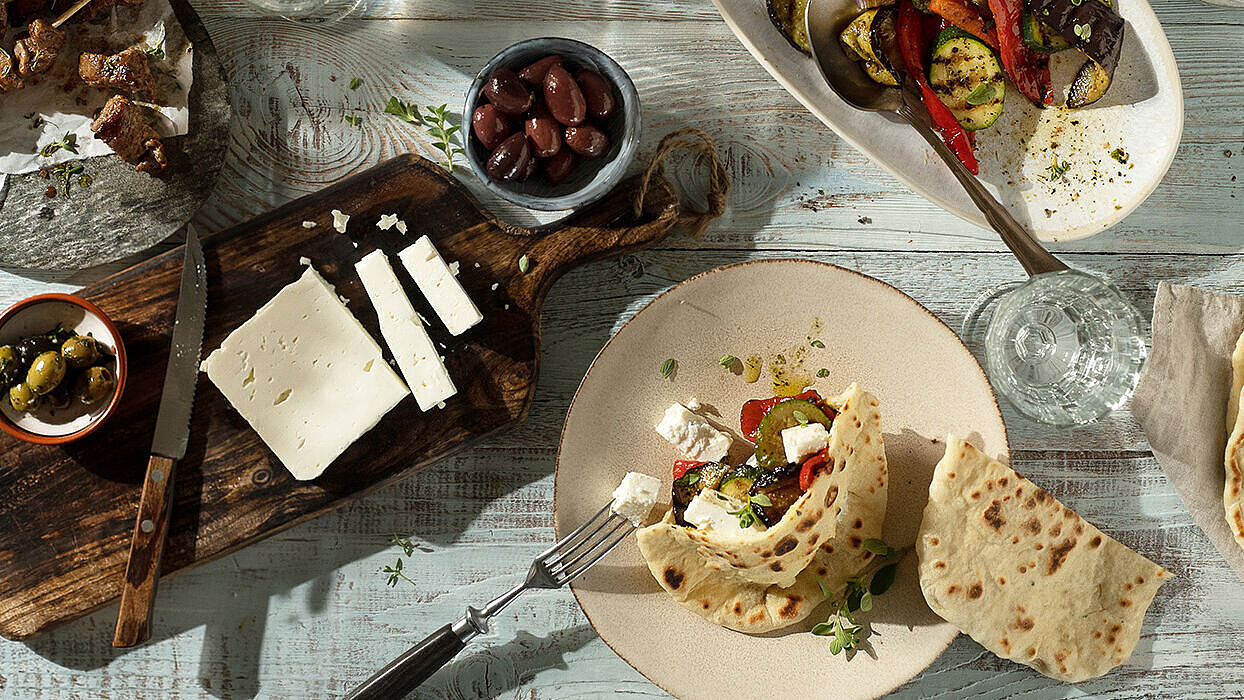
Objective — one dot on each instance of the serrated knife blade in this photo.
(172, 431)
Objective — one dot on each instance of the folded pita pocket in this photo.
(1028, 578)
(731, 580)
(1233, 486)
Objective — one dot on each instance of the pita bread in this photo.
(1028, 578)
(1233, 486)
(848, 503)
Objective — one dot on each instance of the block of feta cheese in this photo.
(714, 510)
(695, 437)
(440, 286)
(306, 375)
(408, 340)
(635, 497)
(800, 441)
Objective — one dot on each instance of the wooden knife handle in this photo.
(410, 670)
(142, 571)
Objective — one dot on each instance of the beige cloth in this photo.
(1182, 397)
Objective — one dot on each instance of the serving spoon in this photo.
(825, 19)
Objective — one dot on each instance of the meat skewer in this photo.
(37, 52)
(123, 127)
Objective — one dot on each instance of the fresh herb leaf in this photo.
(693, 478)
(823, 629)
(981, 94)
(761, 500)
(822, 372)
(1084, 31)
(524, 264)
(354, 119)
(355, 83)
(404, 543)
(65, 172)
(1119, 154)
(155, 52)
(878, 547)
(1057, 170)
(727, 361)
(883, 579)
(800, 416)
(818, 344)
(668, 367)
(440, 127)
(406, 112)
(68, 142)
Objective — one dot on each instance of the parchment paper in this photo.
(43, 112)
(1181, 401)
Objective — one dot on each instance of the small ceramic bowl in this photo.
(43, 313)
(591, 178)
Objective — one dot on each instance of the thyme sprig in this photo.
(437, 121)
(395, 570)
(68, 142)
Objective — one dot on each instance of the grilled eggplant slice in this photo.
(1094, 28)
(870, 38)
(788, 17)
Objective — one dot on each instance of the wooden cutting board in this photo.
(68, 512)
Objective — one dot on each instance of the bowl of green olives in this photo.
(62, 368)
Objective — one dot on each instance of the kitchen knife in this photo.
(172, 432)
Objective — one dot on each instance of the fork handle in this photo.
(407, 671)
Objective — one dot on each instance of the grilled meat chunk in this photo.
(37, 51)
(123, 71)
(9, 79)
(123, 127)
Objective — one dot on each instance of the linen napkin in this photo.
(1181, 401)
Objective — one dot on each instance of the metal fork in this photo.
(557, 566)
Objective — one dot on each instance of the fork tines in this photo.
(588, 544)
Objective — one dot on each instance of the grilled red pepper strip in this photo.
(1026, 68)
(811, 467)
(913, 46)
(967, 18)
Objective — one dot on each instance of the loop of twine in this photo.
(690, 139)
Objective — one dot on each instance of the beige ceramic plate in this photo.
(928, 385)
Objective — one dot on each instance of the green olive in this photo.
(22, 397)
(30, 348)
(46, 372)
(80, 351)
(10, 366)
(94, 385)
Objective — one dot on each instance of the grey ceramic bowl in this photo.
(591, 178)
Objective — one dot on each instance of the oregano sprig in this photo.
(876, 578)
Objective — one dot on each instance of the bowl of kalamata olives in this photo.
(62, 368)
(554, 124)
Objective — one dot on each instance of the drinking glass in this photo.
(1065, 348)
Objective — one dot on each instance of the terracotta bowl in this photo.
(40, 314)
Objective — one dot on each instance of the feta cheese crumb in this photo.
(495, 285)
(453, 268)
(340, 220)
(693, 404)
(441, 405)
(711, 510)
(801, 441)
(635, 497)
(304, 260)
(692, 435)
(507, 307)
(476, 264)
(309, 224)
(386, 221)
(401, 227)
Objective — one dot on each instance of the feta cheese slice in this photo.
(306, 376)
(635, 497)
(801, 441)
(438, 284)
(712, 510)
(408, 340)
(695, 437)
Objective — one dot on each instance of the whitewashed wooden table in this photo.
(307, 613)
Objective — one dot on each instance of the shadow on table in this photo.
(492, 671)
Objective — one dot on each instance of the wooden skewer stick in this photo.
(70, 13)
